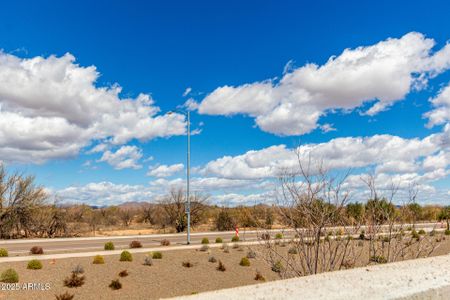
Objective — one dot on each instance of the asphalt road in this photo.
(86, 244)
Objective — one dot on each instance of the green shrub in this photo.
(278, 236)
(259, 276)
(123, 273)
(135, 244)
(221, 267)
(447, 232)
(219, 240)
(109, 246)
(126, 256)
(245, 262)
(3, 252)
(75, 280)
(277, 266)
(157, 255)
(34, 264)
(205, 241)
(251, 254)
(422, 232)
(98, 260)
(414, 234)
(36, 250)
(293, 250)
(65, 296)
(115, 284)
(235, 238)
(9, 276)
(379, 259)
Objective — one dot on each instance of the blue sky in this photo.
(162, 49)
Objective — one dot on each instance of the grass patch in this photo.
(9, 276)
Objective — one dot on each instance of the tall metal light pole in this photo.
(188, 171)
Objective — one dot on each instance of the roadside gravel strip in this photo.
(426, 278)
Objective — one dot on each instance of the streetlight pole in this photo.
(187, 113)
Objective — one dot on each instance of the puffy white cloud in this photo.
(125, 157)
(50, 107)
(441, 112)
(384, 72)
(165, 170)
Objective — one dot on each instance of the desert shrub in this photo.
(109, 246)
(148, 261)
(278, 236)
(135, 244)
(78, 269)
(36, 250)
(212, 259)
(115, 284)
(204, 248)
(221, 267)
(277, 266)
(360, 243)
(339, 232)
(433, 232)
(414, 234)
(187, 264)
(205, 241)
(165, 242)
(386, 239)
(447, 232)
(379, 259)
(34, 264)
(225, 248)
(75, 280)
(65, 296)
(3, 252)
(157, 255)
(422, 232)
(265, 236)
(251, 254)
(235, 246)
(245, 262)
(259, 276)
(98, 260)
(9, 276)
(123, 273)
(219, 240)
(362, 235)
(235, 238)
(126, 256)
(293, 250)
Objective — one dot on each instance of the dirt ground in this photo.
(166, 278)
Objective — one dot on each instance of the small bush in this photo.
(98, 260)
(9, 276)
(433, 232)
(379, 259)
(259, 276)
(265, 236)
(360, 243)
(78, 269)
(123, 273)
(245, 262)
(221, 267)
(236, 246)
(148, 261)
(165, 242)
(126, 256)
(204, 248)
(205, 241)
(235, 238)
(251, 254)
(447, 232)
(422, 232)
(157, 255)
(65, 296)
(225, 248)
(277, 266)
(34, 264)
(362, 235)
(3, 252)
(386, 239)
(278, 236)
(414, 234)
(212, 259)
(115, 284)
(109, 246)
(219, 240)
(36, 250)
(293, 250)
(75, 280)
(187, 264)
(135, 244)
